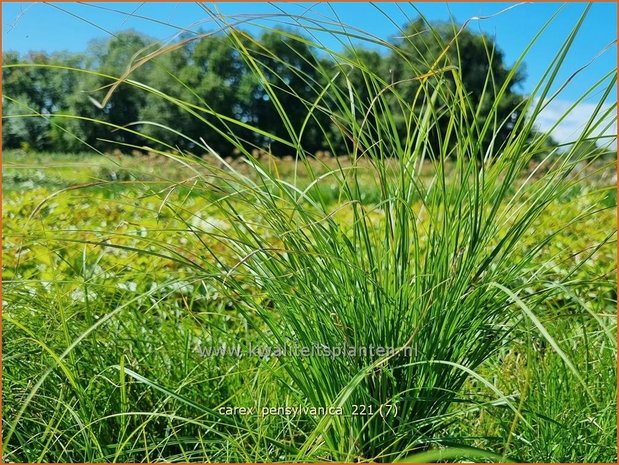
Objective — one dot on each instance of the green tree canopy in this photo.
(95, 124)
(220, 85)
(449, 53)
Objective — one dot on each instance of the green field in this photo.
(242, 247)
(109, 305)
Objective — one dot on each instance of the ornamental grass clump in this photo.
(433, 270)
(403, 302)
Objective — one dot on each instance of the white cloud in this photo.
(572, 126)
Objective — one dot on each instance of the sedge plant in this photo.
(433, 270)
(432, 275)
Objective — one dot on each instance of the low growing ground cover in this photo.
(104, 346)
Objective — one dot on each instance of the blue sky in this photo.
(70, 26)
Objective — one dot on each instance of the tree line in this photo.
(207, 91)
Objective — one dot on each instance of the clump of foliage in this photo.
(454, 264)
